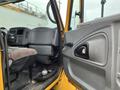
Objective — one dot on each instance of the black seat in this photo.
(18, 37)
(45, 41)
(21, 64)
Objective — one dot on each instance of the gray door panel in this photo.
(93, 61)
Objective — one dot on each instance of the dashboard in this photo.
(18, 36)
(42, 39)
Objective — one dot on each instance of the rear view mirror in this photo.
(3, 2)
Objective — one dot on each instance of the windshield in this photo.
(29, 13)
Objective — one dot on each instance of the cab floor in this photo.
(21, 81)
(24, 83)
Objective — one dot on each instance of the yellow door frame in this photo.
(1, 72)
(68, 15)
(64, 83)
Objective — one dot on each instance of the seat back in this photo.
(44, 40)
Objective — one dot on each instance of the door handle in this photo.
(82, 51)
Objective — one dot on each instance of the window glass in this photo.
(75, 18)
(28, 13)
(112, 7)
(92, 9)
(39, 8)
(62, 4)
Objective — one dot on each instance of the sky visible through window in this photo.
(93, 8)
(41, 4)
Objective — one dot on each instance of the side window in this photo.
(112, 7)
(92, 9)
(75, 18)
(62, 5)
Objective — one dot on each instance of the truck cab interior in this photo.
(34, 68)
(37, 70)
(89, 58)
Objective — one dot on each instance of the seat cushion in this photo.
(22, 58)
(19, 53)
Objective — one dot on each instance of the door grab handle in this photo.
(82, 51)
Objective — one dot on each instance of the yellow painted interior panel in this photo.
(1, 74)
(64, 84)
(54, 83)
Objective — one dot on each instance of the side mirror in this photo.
(3, 2)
